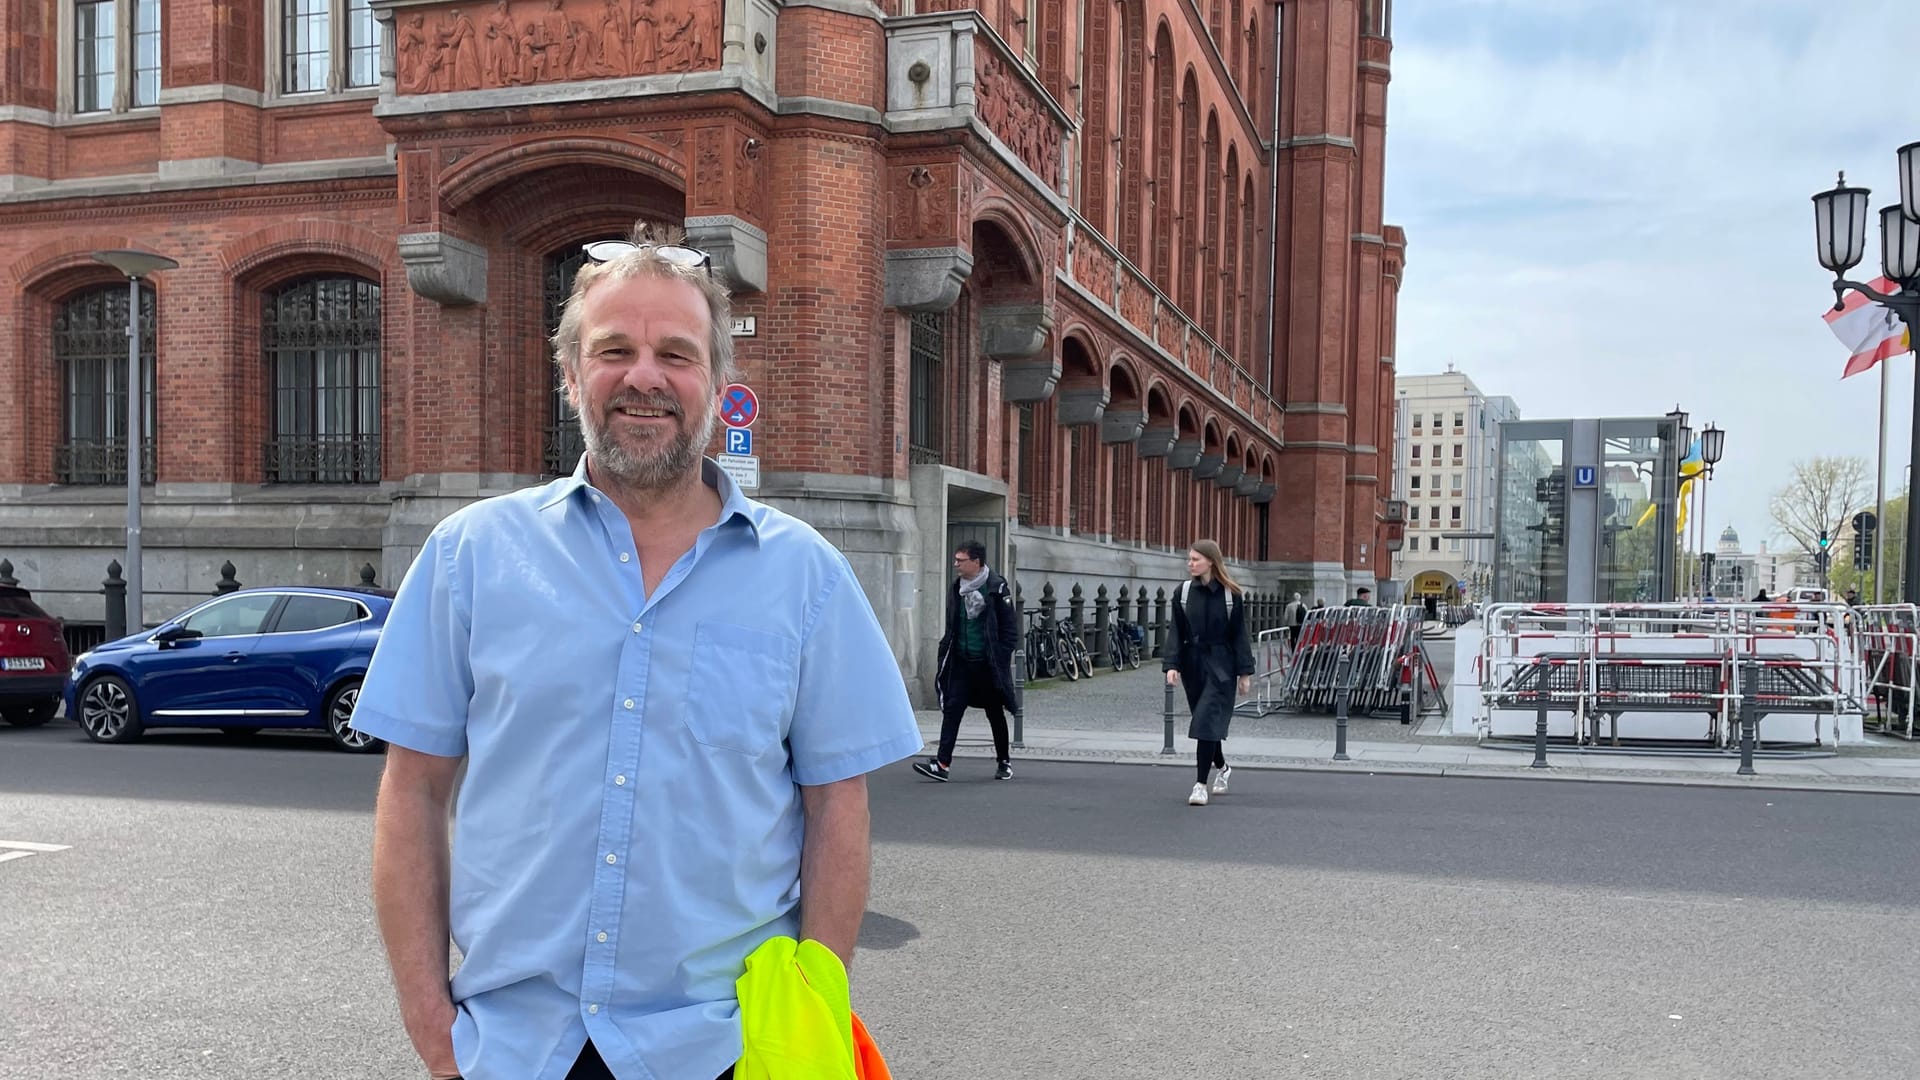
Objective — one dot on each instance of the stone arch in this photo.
(1159, 404)
(1079, 357)
(1124, 386)
(1164, 65)
(289, 249)
(1209, 315)
(1011, 246)
(487, 172)
(1190, 235)
(46, 267)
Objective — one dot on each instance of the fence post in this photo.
(1160, 621)
(1102, 619)
(227, 583)
(116, 589)
(1048, 606)
(1541, 684)
(367, 574)
(1077, 611)
(1747, 707)
(6, 574)
(1166, 718)
(1342, 695)
(1125, 611)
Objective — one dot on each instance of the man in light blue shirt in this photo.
(667, 697)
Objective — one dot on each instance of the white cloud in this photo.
(1608, 211)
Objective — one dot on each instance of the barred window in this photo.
(927, 348)
(322, 342)
(1027, 478)
(90, 348)
(561, 443)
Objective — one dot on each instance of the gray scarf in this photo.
(970, 596)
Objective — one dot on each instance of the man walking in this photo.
(976, 659)
(1362, 597)
(667, 697)
(1294, 618)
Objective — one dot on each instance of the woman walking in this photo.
(1209, 651)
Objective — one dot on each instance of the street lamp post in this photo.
(1713, 442)
(1840, 227)
(135, 265)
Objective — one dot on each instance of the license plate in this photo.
(24, 663)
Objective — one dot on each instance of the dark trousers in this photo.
(1208, 755)
(979, 687)
(590, 1067)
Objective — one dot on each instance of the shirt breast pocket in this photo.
(740, 686)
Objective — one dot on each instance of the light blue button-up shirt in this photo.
(629, 827)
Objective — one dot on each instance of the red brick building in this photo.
(1092, 279)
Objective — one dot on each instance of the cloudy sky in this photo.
(1608, 211)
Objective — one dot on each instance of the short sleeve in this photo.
(851, 715)
(420, 680)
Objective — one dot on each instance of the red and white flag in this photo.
(1871, 332)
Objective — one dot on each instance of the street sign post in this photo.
(739, 441)
(739, 406)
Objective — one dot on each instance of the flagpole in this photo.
(1880, 494)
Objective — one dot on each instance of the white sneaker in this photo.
(1199, 796)
(1220, 779)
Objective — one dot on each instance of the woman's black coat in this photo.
(1209, 646)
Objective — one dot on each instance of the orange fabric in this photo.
(867, 1062)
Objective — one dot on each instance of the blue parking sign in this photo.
(739, 440)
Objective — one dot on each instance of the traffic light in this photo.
(1823, 540)
(1864, 524)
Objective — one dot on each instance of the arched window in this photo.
(1132, 137)
(321, 336)
(1236, 51)
(1190, 182)
(1097, 173)
(1231, 282)
(1210, 259)
(90, 348)
(1163, 193)
(560, 444)
(1250, 262)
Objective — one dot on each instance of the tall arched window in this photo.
(1236, 51)
(1209, 178)
(1132, 136)
(1163, 193)
(1097, 174)
(90, 348)
(560, 444)
(1190, 181)
(1250, 262)
(322, 341)
(1230, 280)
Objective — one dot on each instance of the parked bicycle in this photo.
(1129, 644)
(1071, 648)
(1042, 646)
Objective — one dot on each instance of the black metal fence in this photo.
(1135, 604)
(82, 634)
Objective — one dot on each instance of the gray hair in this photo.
(646, 262)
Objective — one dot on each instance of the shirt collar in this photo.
(733, 502)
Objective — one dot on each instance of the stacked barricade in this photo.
(1270, 656)
(1670, 672)
(1384, 644)
(1889, 642)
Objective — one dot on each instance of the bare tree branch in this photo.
(1824, 493)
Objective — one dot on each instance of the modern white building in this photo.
(1739, 575)
(1447, 468)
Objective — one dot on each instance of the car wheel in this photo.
(108, 712)
(32, 714)
(339, 714)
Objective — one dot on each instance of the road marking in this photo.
(26, 849)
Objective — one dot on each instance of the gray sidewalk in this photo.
(1119, 718)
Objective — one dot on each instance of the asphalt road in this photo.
(210, 919)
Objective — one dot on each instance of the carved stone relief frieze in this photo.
(1011, 111)
(709, 166)
(922, 202)
(519, 44)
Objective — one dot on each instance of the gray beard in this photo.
(645, 469)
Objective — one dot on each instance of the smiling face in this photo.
(644, 385)
(1198, 564)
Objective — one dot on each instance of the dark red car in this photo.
(33, 660)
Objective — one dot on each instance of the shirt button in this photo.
(611, 860)
(620, 781)
(601, 936)
(628, 703)
(623, 556)
(593, 1008)
(636, 628)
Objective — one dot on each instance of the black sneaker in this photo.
(932, 769)
(1004, 772)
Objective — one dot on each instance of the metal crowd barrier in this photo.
(1889, 642)
(1270, 655)
(1378, 643)
(1599, 663)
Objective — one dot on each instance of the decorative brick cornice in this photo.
(290, 240)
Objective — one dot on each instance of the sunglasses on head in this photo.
(678, 254)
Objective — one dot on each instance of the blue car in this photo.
(256, 658)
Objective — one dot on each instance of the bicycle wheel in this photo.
(1045, 659)
(1117, 650)
(1079, 656)
(1063, 649)
(1133, 653)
